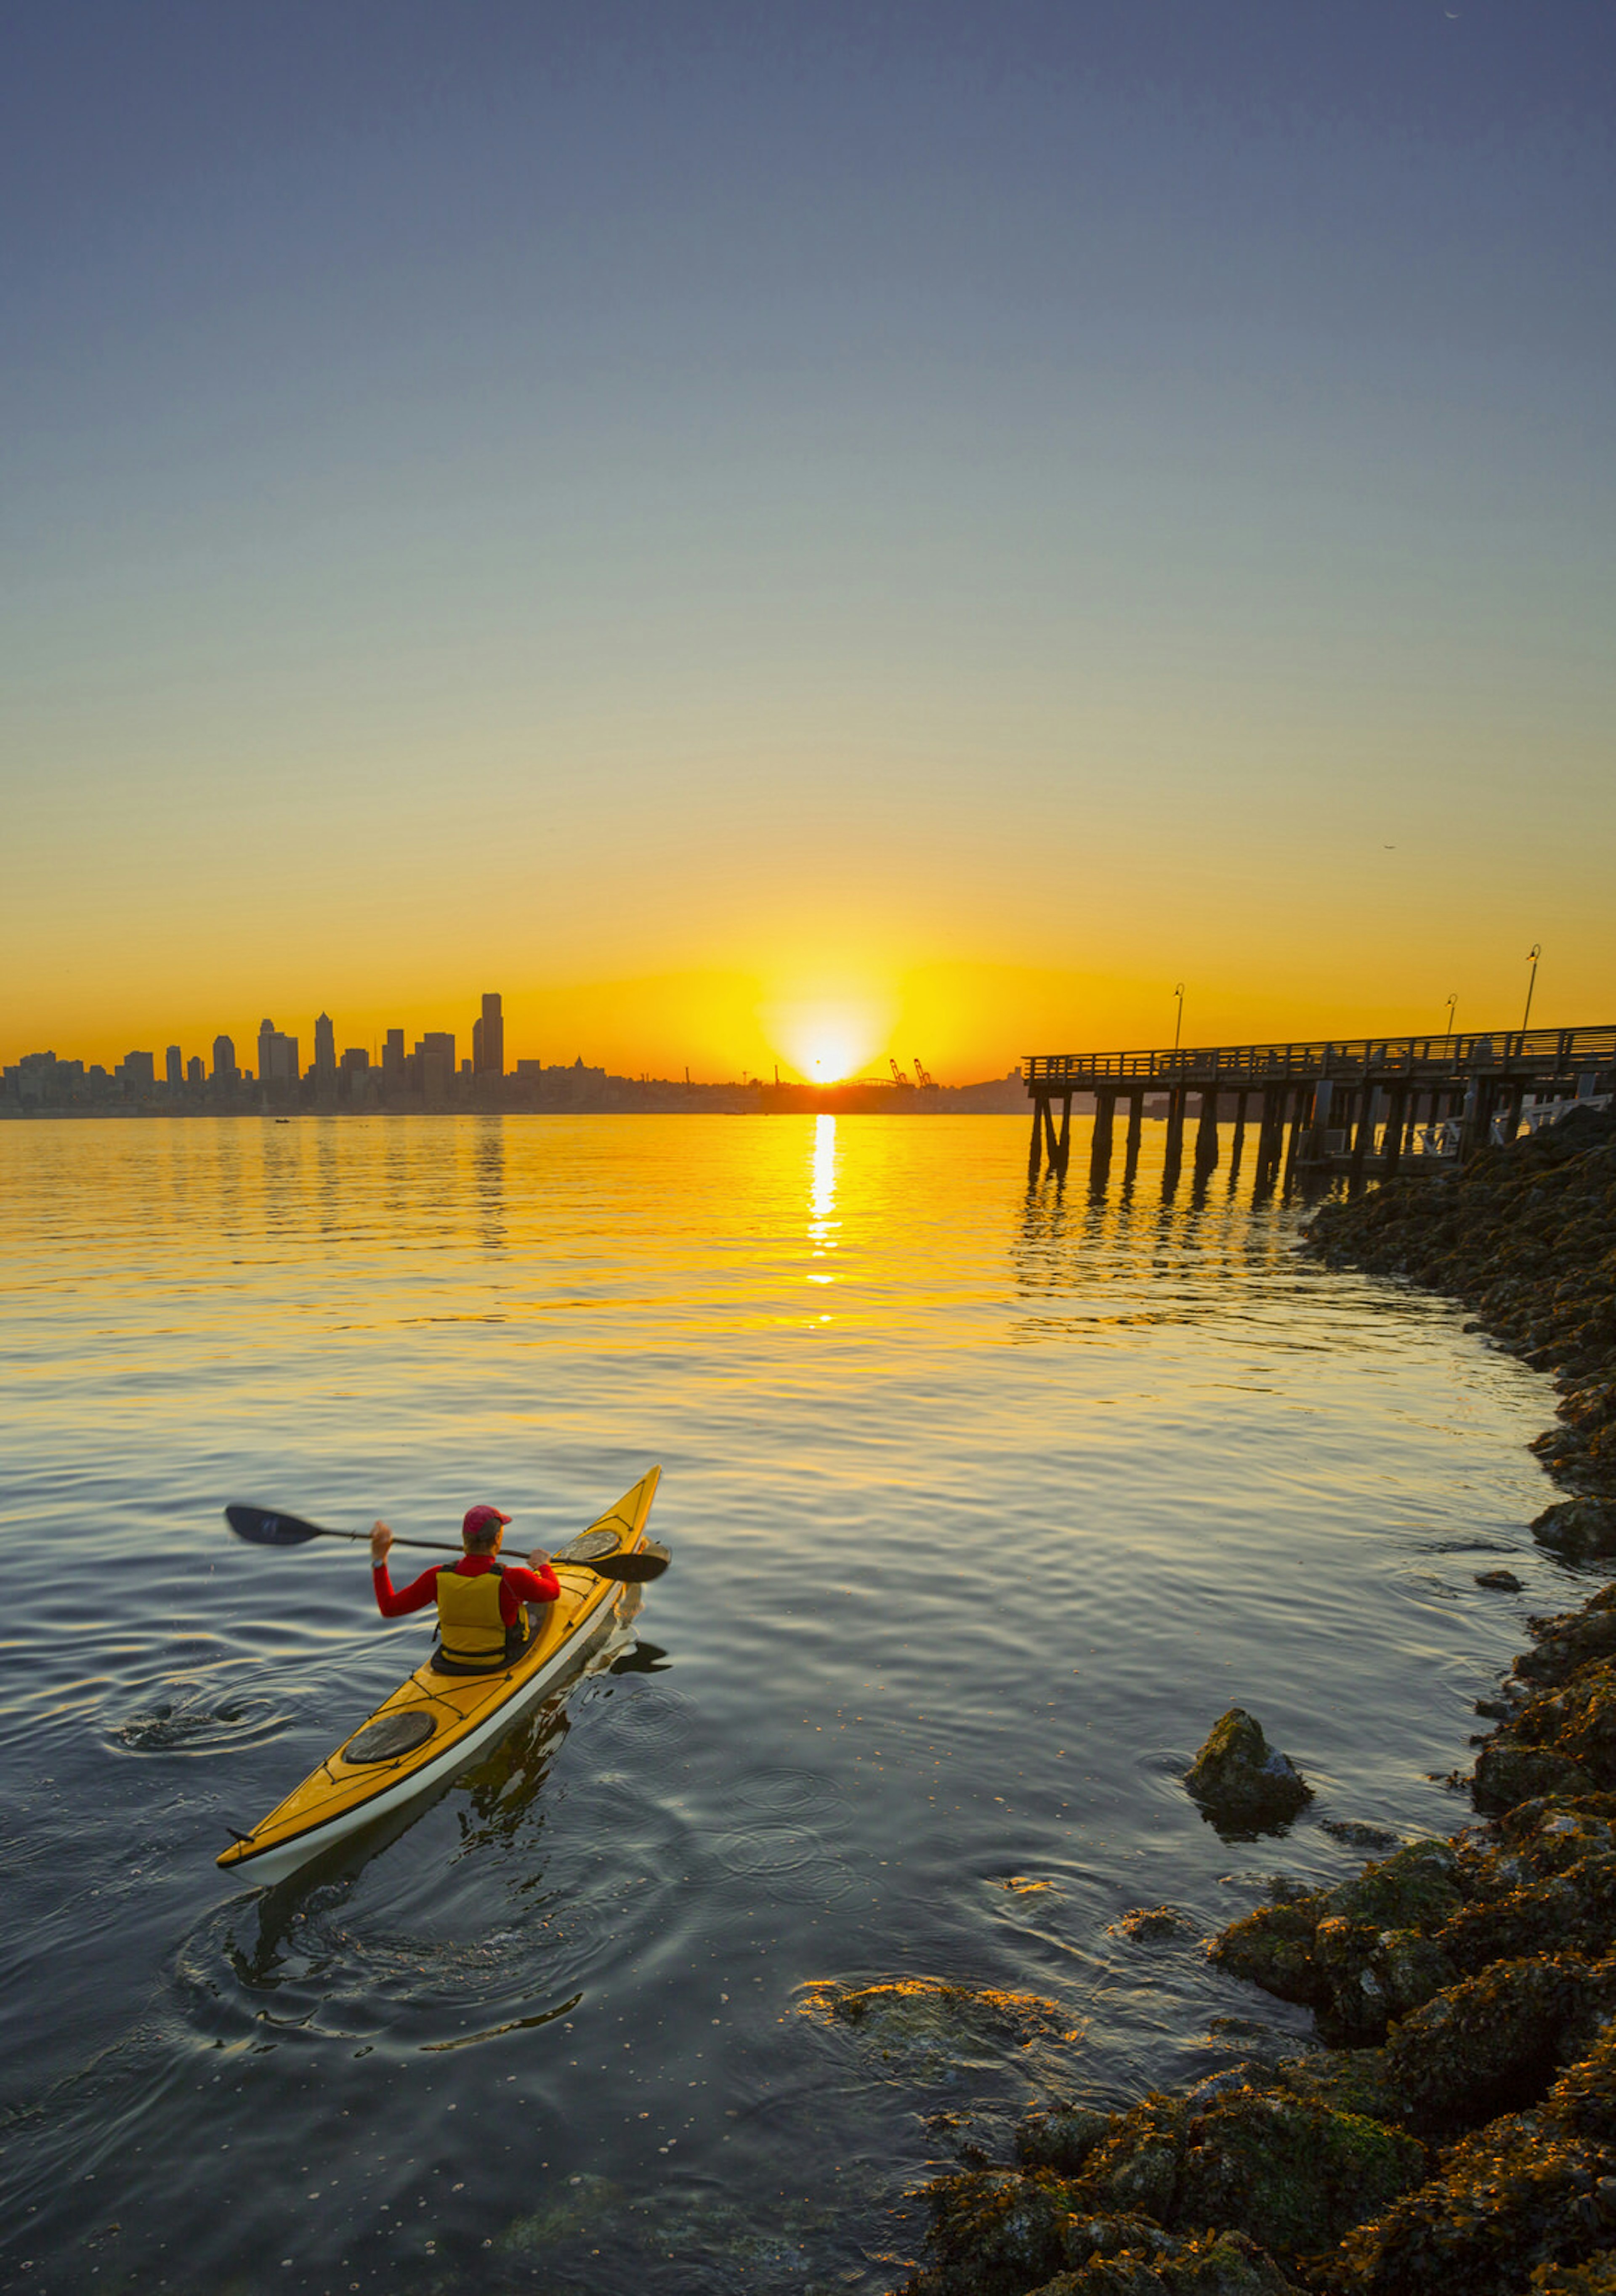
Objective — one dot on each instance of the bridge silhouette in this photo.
(1359, 1105)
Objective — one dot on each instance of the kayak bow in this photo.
(434, 1723)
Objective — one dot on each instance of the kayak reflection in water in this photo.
(483, 1619)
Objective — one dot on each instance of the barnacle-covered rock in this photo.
(1243, 1784)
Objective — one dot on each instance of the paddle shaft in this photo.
(259, 1527)
(441, 1546)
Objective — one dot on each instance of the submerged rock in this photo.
(1243, 1784)
(1357, 1835)
(1150, 1924)
(924, 2026)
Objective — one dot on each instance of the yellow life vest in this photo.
(469, 1619)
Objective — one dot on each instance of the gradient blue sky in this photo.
(690, 514)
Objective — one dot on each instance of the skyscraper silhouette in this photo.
(488, 1039)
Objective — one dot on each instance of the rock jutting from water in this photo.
(1457, 2131)
(1243, 1784)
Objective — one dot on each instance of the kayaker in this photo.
(482, 1616)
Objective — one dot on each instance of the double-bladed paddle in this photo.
(260, 1528)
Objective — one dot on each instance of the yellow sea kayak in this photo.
(434, 1723)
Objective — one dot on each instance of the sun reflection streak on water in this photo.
(821, 1194)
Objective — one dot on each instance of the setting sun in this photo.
(826, 1040)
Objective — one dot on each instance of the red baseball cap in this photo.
(481, 1518)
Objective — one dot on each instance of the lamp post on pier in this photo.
(1532, 955)
(1179, 1024)
(1453, 1014)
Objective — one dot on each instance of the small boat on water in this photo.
(435, 1723)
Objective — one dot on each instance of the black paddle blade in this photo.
(647, 1562)
(262, 1528)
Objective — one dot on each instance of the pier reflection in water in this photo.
(984, 1503)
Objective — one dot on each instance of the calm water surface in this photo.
(984, 1505)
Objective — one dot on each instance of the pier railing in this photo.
(1531, 1051)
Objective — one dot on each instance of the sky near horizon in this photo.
(746, 529)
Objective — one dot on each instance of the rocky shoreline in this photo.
(1456, 2131)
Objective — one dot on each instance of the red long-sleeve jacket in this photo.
(517, 1585)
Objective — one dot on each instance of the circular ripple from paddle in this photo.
(640, 1712)
(196, 1717)
(800, 1795)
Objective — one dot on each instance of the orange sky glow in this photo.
(799, 548)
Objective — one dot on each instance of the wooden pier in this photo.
(1360, 1107)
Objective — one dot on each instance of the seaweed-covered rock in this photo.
(1577, 1530)
(1242, 1783)
(1408, 1969)
(1135, 2171)
(1292, 2171)
(1560, 1830)
(1361, 1953)
(1597, 2278)
(1060, 2136)
(1512, 2202)
(1490, 2044)
(1293, 2175)
(1220, 2264)
(1570, 1641)
(1273, 1946)
(995, 2232)
(1417, 1888)
(1583, 2100)
(1507, 1773)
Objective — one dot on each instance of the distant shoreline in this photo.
(941, 1101)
